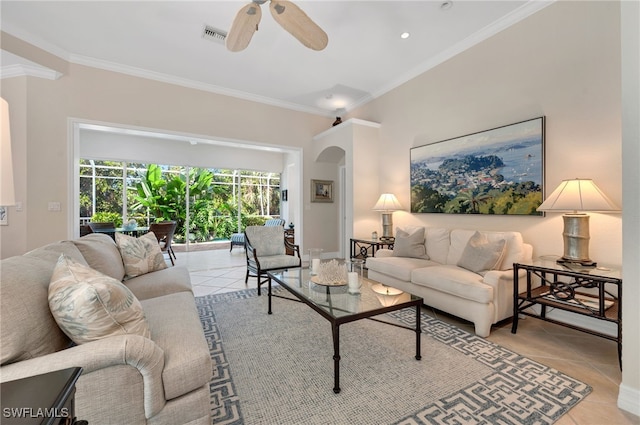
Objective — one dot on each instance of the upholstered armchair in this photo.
(238, 238)
(266, 249)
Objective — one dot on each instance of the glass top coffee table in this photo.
(338, 306)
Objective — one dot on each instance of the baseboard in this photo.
(629, 399)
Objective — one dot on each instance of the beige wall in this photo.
(563, 63)
(42, 146)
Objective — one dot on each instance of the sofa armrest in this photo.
(141, 353)
(496, 277)
(527, 256)
(502, 283)
(384, 252)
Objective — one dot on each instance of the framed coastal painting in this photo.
(4, 220)
(321, 191)
(498, 171)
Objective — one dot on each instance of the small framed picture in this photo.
(3, 216)
(285, 195)
(321, 191)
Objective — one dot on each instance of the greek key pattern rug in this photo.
(461, 379)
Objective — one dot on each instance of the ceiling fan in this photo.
(288, 15)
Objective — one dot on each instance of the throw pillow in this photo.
(140, 255)
(88, 305)
(410, 244)
(480, 255)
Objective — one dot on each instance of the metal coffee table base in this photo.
(337, 321)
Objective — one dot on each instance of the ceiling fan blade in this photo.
(298, 24)
(244, 25)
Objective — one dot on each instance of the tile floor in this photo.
(591, 359)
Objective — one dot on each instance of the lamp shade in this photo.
(7, 195)
(578, 195)
(387, 202)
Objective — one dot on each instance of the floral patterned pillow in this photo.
(140, 255)
(88, 305)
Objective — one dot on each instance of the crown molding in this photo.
(524, 11)
(184, 82)
(28, 71)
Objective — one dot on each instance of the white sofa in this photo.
(483, 297)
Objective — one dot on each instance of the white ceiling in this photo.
(163, 40)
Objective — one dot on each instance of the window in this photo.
(208, 204)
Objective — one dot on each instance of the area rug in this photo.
(278, 369)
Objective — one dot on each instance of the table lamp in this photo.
(387, 203)
(7, 194)
(574, 197)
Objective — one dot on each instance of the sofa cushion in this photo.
(398, 267)
(278, 262)
(410, 243)
(453, 280)
(437, 243)
(88, 305)
(480, 255)
(140, 255)
(514, 250)
(176, 329)
(28, 327)
(52, 252)
(101, 254)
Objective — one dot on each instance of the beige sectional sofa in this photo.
(483, 297)
(127, 379)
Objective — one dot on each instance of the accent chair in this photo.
(238, 238)
(266, 249)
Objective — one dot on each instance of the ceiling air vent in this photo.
(214, 34)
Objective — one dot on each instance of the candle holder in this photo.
(355, 269)
(315, 257)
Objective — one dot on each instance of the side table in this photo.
(588, 291)
(47, 399)
(363, 248)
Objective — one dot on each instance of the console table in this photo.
(363, 248)
(42, 399)
(588, 291)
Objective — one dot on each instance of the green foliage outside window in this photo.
(158, 192)
(107, 217)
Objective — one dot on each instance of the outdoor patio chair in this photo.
(164, 233)
(237, 239)
(274, 222)
(266, 249)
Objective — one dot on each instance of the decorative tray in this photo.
(316, 279)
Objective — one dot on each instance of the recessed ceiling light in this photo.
(405, 35)
(446, 5)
